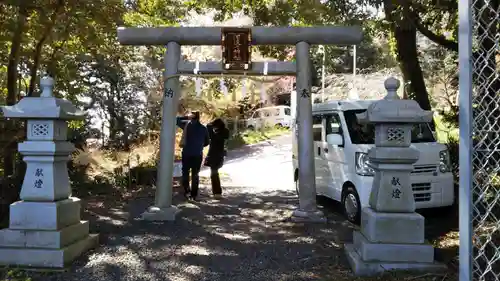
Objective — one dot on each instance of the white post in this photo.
(353, 93)
(323, 76)
(244, 87)
(466, 250)
(223, 87)
(263, 92)
(197, 81)
(321, 49)
(163, 209)
(307, 180)
(354, 63)
(235, 126)
(263, 98)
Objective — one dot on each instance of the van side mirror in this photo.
(334, 139)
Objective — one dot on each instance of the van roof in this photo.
(342, 105)
(271, 107)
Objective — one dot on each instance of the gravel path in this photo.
(244, 236)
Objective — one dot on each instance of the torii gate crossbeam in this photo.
(261, 35)
(301, 37)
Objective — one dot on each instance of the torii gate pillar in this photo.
(301, 37)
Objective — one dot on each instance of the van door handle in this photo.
(319, 150)
(325, 150)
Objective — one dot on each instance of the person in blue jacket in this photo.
(194, 139)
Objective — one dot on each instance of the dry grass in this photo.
(103, 162)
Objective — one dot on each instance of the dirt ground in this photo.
(244, 236)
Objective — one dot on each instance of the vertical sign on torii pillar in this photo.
(301, 37)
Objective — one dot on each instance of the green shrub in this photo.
(453, 151)
(13, 275)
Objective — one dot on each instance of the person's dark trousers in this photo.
(214, 177)
(191, 164)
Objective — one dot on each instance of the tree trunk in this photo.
(9, 191)
(406, 42)
(405, 34)
(12, 79)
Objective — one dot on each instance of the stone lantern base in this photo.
(390, 241)
(45, 234)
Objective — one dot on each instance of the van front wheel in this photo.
(351, 205)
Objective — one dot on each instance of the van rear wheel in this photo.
(351, 204)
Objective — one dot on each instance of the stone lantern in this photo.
(45, 229)
(392, 234)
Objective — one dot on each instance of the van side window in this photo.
(317, 127)
(333, 125)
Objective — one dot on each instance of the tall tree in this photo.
(41, 30)
(48, 35)
(405, 35)
(343, 12)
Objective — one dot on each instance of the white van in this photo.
(279, 116)
(342, 171)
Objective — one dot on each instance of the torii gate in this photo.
(301, 37)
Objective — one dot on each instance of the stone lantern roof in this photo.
(392, 109)
(44, 107)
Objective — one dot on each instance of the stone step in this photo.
(47, 258)
(26, 215)
(423, 253)
(44, 239)
(364, 268)
(404, 228)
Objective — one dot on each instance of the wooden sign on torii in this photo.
(237, 60)
(236, 48)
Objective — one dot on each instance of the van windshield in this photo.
(365, 133)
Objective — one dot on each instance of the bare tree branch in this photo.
(436, 38)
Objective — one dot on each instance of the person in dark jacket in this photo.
(194, 139)
(218, 134)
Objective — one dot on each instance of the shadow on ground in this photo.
(244, 236)
(441, 229)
